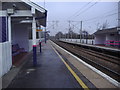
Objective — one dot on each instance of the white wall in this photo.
(109, 37)
(5, 58)
(20, 35)
(100, 39)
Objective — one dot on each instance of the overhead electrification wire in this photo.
(86, 9)
(80, 9)
(97, 18)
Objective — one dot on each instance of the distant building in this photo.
(109, 37)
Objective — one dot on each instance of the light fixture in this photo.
(10, 11)
(26, 21)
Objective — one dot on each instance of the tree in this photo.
(105, 25)
(98, 26)
(59, 35)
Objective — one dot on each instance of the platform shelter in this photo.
(19, 20)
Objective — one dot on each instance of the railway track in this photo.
(104, 62)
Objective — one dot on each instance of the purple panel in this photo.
(0, 29)
(3, 29)
(6, 29)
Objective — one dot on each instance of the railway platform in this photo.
(94, 46)
(57, 69)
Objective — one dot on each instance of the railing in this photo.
(5, 58)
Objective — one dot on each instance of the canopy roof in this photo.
(40, 13)
(106, 31)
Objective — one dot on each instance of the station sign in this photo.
(39, 30)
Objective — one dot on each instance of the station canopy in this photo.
(22, 10)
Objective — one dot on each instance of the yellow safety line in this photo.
(73, 73)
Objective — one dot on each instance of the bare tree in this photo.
(105, 25)
(98, 26)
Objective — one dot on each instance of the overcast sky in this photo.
(92, 13)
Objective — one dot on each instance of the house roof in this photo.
(108, 30)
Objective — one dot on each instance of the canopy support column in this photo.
(9, 39)
(34, 42)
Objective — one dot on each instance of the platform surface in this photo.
(49, 73)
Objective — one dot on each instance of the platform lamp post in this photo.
(81, 31)
(66, 36)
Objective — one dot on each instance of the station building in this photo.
(18, 20)
(107, 37)
(110, 36)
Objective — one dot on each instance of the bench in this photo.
(17, 50)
